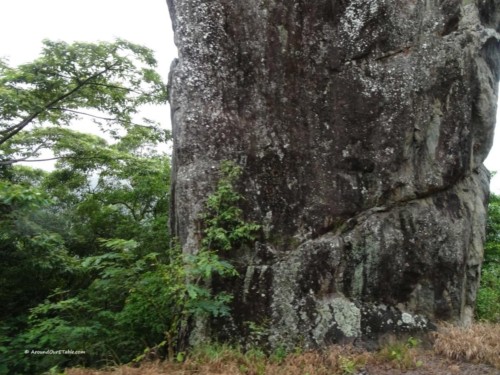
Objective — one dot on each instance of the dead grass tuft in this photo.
(479, 343)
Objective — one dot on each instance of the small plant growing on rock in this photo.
(223, 228)
(223, 222)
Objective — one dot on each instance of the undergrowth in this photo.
(226, 360)
(403, 355)
(478, 344)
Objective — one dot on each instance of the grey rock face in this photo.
(361, 126)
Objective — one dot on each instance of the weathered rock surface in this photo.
(362, 126)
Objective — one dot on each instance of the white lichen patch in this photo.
(357, 14)
(248, 279)
(348, 317)
(324, 322)
(407, 319)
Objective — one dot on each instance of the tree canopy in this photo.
(104, 82)
(104, 207)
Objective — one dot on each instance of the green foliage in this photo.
(488, 297)
(99, 319)
(82, 246)
(126, 292)
(279, 354)
(122, 196)
(413, 342)
(89, 311)
(225, 227)
(401, 353)
(347, 365)
(492, 246)
(104, 82)
(256, 333)
(34, 259)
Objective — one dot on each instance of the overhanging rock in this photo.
(361, 126)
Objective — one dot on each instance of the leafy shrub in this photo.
(126, 300)
(488, 297)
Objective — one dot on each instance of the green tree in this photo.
(492, 246)
(103, 227)
(137, 295)
(488, 298)
(102, 200)
(34, 261)
(106, 82)
(34, 258)
(116, 194)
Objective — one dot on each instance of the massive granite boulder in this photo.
(361, 126)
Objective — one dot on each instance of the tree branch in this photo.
(26, 160)
(42, 145)
(85, 114)
(100, 117)
(146, 208)
(131, 209)
(94, 116)
(116, 87)
(17, 128)
(128, 206)
(9, 129)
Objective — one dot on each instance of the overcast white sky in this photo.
(26, 22)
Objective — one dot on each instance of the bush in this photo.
(488, 297)
(132, 306)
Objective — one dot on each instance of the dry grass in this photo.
(145, 369)
(227, 361)
(333, 361)
(479, 343)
